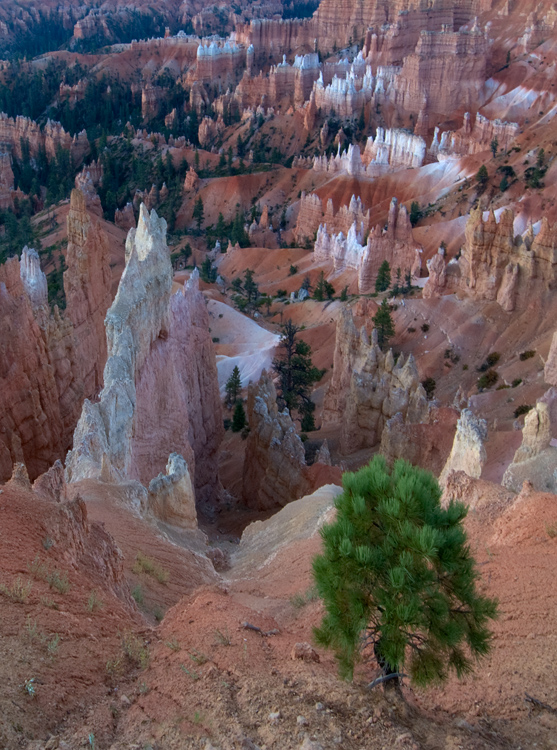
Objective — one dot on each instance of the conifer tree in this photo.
(295, 369)
(398, 580)
(383, 323)
(233, 387)
(239, 417)
(383, 280)
(198, 212)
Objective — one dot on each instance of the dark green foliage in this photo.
(415, 213)
(490, 361)
(307, 423)
(523, 409)
(208, 272)
(527, 355)
(344, 294)
(299, 9)
(296, 371)
(488, 379)
(323, 289)
(482, 177)
(247, 295)
(198, 212)
(516, 382)
(398, 580)
(281, 293)
(494, 145)
(383, 280)
(383, 323)
(233, 387)
(239, 417)
(293, 270)
(425, 327)
(429, 386)
(504, 185)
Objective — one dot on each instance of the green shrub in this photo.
(488, 379)
(527, 355)
(425, 327)
(429, 386)
(516, 382)
(522, 409)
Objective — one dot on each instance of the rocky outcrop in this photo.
(6, 181)
(14, 132)
(274, 463)
(437, 279)
(536, 459)
(473, 140)
(468, 452)
(368, 388)
(125, 218)
(497, 266)
(38, 393)
(550, 369)
(395, 244)
(172, 496)
(87, 285)
(160, 393)
(427, 444)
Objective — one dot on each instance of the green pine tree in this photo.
(398, 579)
(384, 325)
(383, 280)
(295, 369)
(198, 212)
(233, 387)
(239, 417)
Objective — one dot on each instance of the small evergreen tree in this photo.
(415, 213)
(383, 323)
(344, 294)
(295, 369)
(208, 272)
(233, 387)
(247, 294)
(398, 580)
(482, 176)
(383, 280)
(239, 417)
(198, 212)
(494, 145)
(323, 289)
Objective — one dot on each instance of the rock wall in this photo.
(496, 265)
(31, 426)
(536, 459)
(427, 444)
(274, 463)
(87, 285)
(394, 244)
(472, 140)
(160, 393)
(15, 131)
(368, 388)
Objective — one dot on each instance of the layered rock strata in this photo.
(368, 388)
(274, 463)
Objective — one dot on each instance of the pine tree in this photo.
(295, 369)
(239, 417)
(383, 323)
(383, 280)
(398, 580)
(198, 212)
(233, 387)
